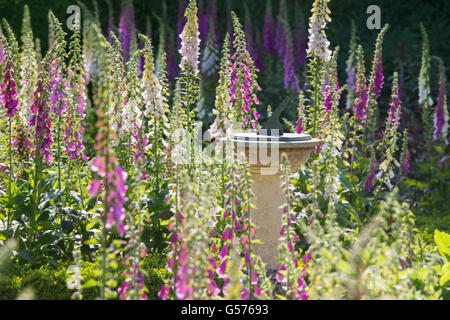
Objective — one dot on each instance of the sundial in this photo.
(271, 131)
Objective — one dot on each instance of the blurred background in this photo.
(401, 48)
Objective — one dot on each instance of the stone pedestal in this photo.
(266, 186)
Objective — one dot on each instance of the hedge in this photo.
(50, 283)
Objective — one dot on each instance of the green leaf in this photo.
(92, 241)
(89, 284)
(415, 183)
(91, 203)
(27, 255)
(442, 240)
(53, 262)
(445, 277)
(5, 234)
(20, 199)
(346, 206)
(49, 237)
(91, 225)
(67, 226)
(438, 149)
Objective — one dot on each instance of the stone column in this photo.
(268, 197)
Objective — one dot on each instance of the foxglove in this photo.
(441, 112)
(8, 90)
(269, 27)
(190, 43)
(318, 43)
(425, 100)
(127, 29)
(243, 78)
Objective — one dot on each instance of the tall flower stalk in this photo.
(2, 49)
(300, 38)
(222, 106)
(351, 67)
(77, 101)
(127, 29)
(156, 108)
(301, 114)
(243, 80)
(375, 84)
(28, 72)
(425, 100)
(41, 123)
(319, 55)
(109, 183)
(280, 37)
(10, 100)
(58, 83)
(10, 41)
(290, 79)
(269, 27)
(390, 137)
(361, 90)
(292, 270)
(189, 65)
(441, 112)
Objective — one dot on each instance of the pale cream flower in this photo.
(154, 102)
(318, 43)
(190, 42)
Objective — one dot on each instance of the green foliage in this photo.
(50, 283)
(382, 261)
(46, 282)
(442, 240)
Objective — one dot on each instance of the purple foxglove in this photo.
(378, 83)
(370, 180)
(441, 113)
(360, 105)
(8, 91)
(127, 28)
(164, 292)
(268, 33)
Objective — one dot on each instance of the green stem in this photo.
(156, 155)
(175, 261)
(105, 212)
(68, 183)
(354, 138)
(59, 152)
(10, 175)
(104, 242)
(36, 182)
(80, 184)
(288, 238)
(249, 234)
(316, 93)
